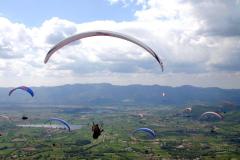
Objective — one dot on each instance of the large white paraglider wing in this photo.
(101, 33)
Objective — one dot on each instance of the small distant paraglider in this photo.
(96, 131)
(140, 115)
(163, 94)
(24, 88)
(146, 130)
(65, 123)
(187, 110)
(24, 118)
(210, 116)
(4, 117)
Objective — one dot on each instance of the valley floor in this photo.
(178, 136)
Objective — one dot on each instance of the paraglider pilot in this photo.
(24, 117)
(96, 131)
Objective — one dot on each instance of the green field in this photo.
(178, 137)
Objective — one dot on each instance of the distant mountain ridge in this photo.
(108, 94)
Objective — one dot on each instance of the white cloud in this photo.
(179, 31)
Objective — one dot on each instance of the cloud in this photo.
(6, 52)
(220, 18)
(60, 29)
(14, 39)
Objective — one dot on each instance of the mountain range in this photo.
(108, 94)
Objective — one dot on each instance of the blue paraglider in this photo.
(147, 130)
(27, 89)
(61, 121)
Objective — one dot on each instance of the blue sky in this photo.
(198, 42)
(35, 12)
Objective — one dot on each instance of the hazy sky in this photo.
(198, 41)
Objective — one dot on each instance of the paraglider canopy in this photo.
(4, 117)
(101, 33)
(24, 88)
(187, 110)
(147, 130)
(210, 114)
(61, 121)
(141, 115)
